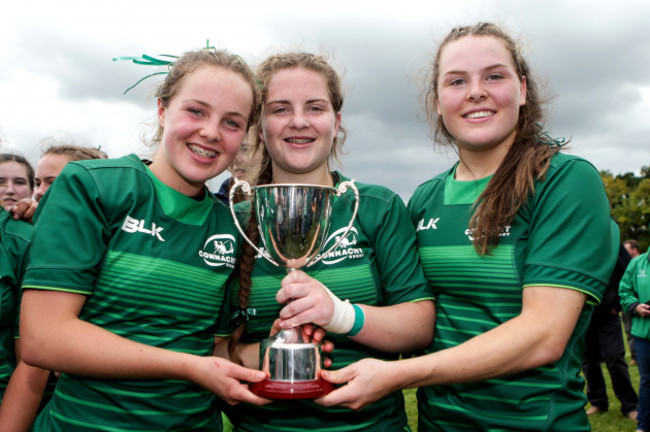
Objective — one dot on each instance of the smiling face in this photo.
(479, 93)
(47, 170)
(14, 183)
(203, 126)
(299, 125)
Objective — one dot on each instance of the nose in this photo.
(210, 132)
(476, 92)
(9, 188)
(298, 120)
(40, 191)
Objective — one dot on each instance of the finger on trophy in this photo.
(275, 328)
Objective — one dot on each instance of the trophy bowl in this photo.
(293, 221)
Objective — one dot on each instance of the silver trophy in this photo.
(293, 220)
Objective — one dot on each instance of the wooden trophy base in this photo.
(291, 390)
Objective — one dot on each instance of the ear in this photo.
(522, 91)
(337, 123)
(438, 106)
(161, 113)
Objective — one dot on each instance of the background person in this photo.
(29, 388)
(604, 343)
(633, 248)
(516, 242)
(390, 308)
(635, 296)
(14, 253)
(113, 298)
(16, 179)
(54, 158)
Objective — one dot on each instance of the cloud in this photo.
(592, 57)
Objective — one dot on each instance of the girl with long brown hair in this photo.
(517, 243)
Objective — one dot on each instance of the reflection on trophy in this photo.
(293, 220)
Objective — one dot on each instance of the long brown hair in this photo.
(265, 72)
(526, 161)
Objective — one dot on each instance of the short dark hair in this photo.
(633, 244)
(10, 157)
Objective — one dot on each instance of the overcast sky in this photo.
(57, 77)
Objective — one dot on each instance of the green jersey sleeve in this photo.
(572, 241)
(72, 210)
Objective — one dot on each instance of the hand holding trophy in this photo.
(293, 220)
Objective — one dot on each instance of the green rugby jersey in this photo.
(14, 251)
(561, 237)
(153, 264)
(376, 264)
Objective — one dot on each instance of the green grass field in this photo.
(610, 421)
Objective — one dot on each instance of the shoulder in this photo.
(126, 162)
(571, 174)
(372, 192)
(105, 172)
(637, 261)
(425, 189)
(564, 163)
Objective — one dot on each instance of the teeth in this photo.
(200, 151)
(479, 114)
(300, 141)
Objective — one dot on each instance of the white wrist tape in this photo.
(343, 318)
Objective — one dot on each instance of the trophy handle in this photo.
(343, 188)
(246, 189)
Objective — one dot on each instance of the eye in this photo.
(233, 124)
(37, 182)
(195, 111)
(279, 110)
(456, 81)
(494, 77)
(315, 108)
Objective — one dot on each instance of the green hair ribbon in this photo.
(546, 138)
(148, 60)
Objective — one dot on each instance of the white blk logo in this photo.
(132, 225)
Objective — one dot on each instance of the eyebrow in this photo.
(286, 102)
(14, 178)
(488, 68)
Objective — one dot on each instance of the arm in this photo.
(405, 319)
(629, 295)
(22, 396)
(249, 353)
(401, 327)
(55, 338)
(536, 337)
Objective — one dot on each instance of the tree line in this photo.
(629, 201)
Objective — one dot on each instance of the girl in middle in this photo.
(378, 269)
